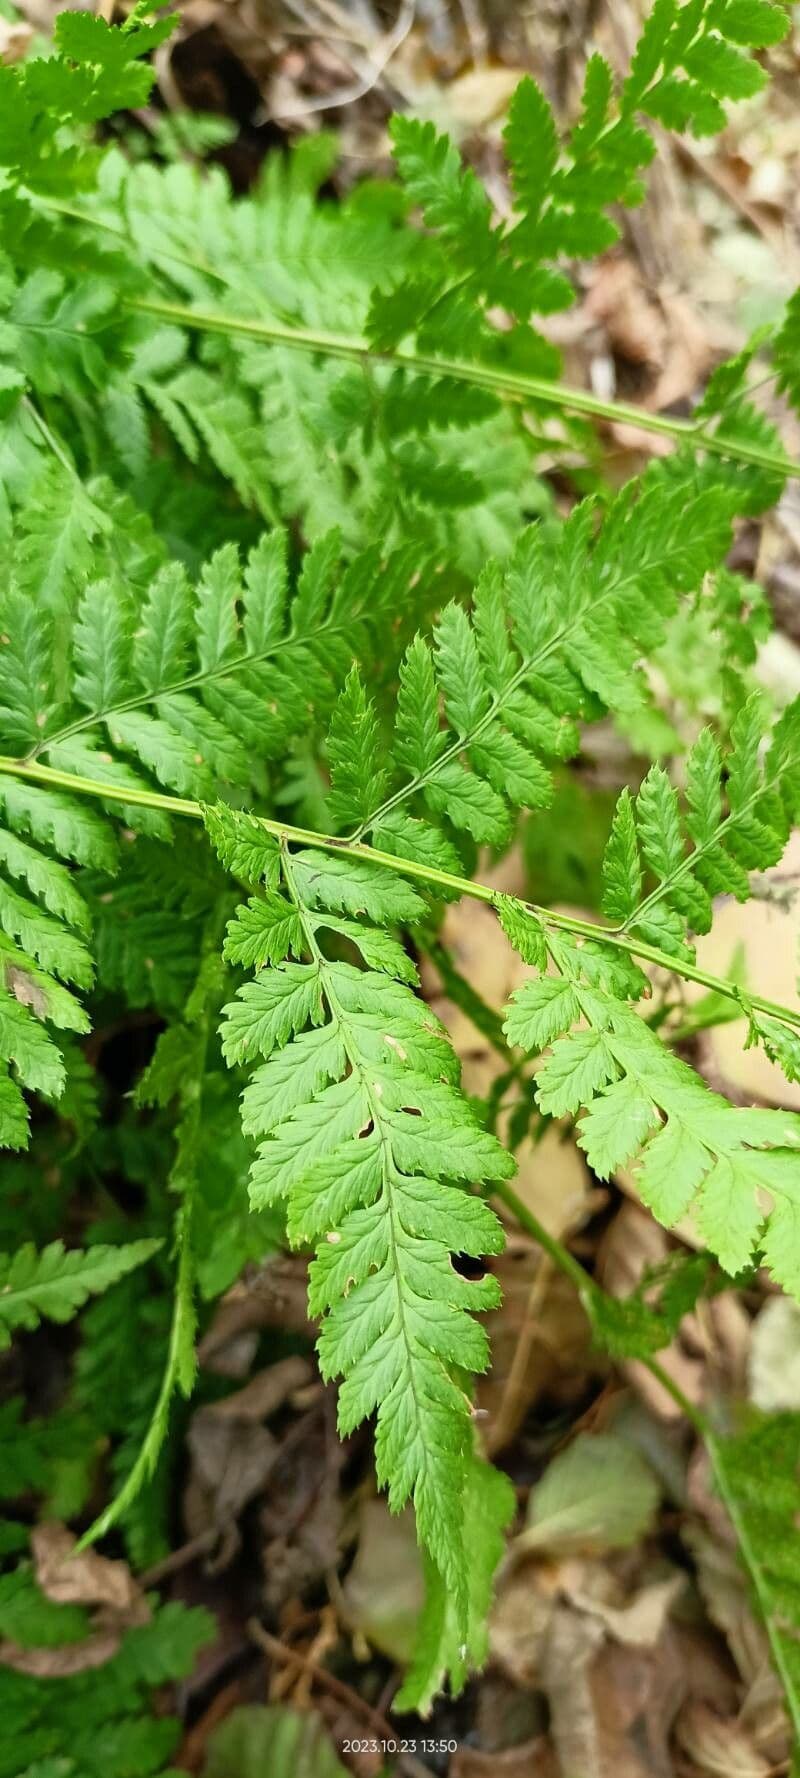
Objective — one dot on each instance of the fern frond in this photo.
(267, 414)
(101, 1723)
(648, 1318)
(555, 636)
(689, 59)
(641, 1105)
(229, 429)
(95, 71)
(30, 1449)
(444, 1652)
(30, 1619)
(294, 434)
(144, 307)
(739, 813)
(360, 1120)
(194, 689)
(58, 529)
(188, 684)
(55, 1284)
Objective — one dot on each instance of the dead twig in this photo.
(338, 1689)
(514, 1391)
(180, 1558)
(477, 33)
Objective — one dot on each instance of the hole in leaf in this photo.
(468, 1265)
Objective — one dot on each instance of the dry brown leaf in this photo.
(475, 99)
(636, 1622)
(570, 1645)
(86, 1578)
(763, 1715)
(726, 1595)
(719, 1330)
(106, 1587)
(553, 1181)
(661, 333)
(709, 1672)
(266, 1391)
(532, 1595)
(24, 988)
(779, 655)
(523, 1606)
(774, 1356)
(532, 1759)
(717, 1746)
(612, 1708)
(541, 1343)
(302, 1512)
(230, 1465)
(632, 1244)
(687, 357)
(273, 1295)
(627, 310)
(507, 1717)
(725, 1592)
(232, 1451)
(231, 1462)
(61, 1663)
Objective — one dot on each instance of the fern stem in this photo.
(555, 1249)
(180, 1367)
(409, 867)
(506, 384)
(587, 1289)
(181, 1331)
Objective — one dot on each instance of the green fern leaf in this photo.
(265, 931)
(243, 845)
(567, 618)
(738, 817)
(622, 871)
(55, 1284)
(29, 1618)
(691, 1148)
(356, 787)
(532, 147)
(356, 1154)
(443, 1651)
(59, 524)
